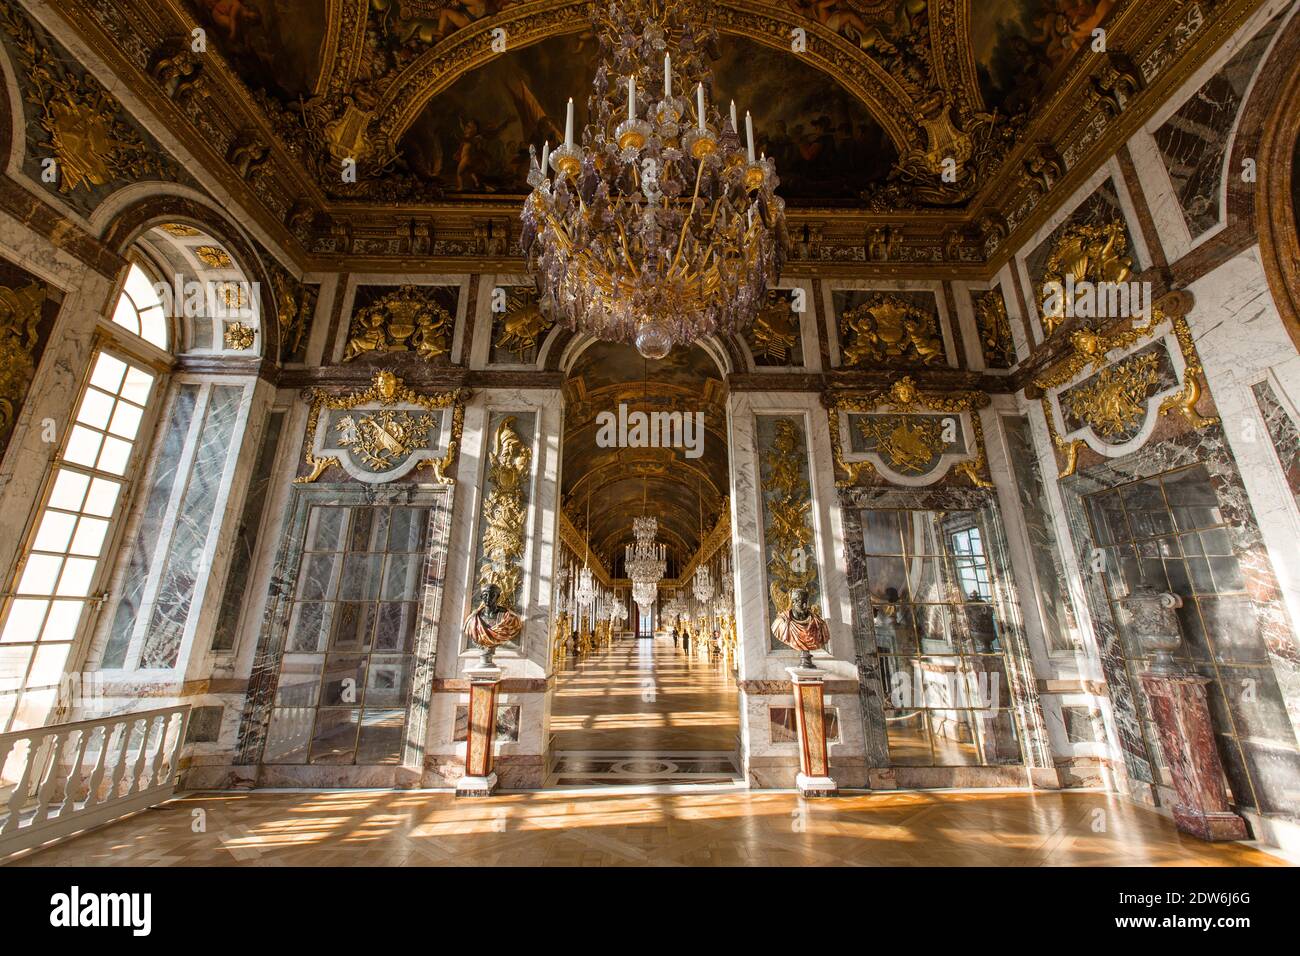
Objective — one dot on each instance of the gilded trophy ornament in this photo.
(1115, 403)
(521, 327)
(384, 439)
(87, 129)
(995, 329)
(885, 329)
(904, 395)
(1089, 348)
(405, 320)
(505, 512)
(20, 316)
(1088, 252)
(791, 563)
(908, 443)
(775, 331)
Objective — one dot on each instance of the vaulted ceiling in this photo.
(685, 493)
(879, 94)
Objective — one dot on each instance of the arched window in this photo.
(139, 309)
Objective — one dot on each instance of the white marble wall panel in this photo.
(1170, 224)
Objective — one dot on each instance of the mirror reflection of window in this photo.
(938, 647)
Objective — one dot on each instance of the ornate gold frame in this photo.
(387, 389)
(904, 395)
(1091, 348)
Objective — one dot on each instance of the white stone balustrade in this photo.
(65, 778)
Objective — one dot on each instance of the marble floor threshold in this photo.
(638, 769)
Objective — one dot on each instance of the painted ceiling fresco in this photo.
(1019, 43)
(474, 137)
(275, 45)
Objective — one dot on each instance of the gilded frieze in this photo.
(898, 428)
(888, 329)
(381, 433)
(418, 319)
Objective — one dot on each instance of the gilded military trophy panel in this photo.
(789, 535)
(520, 325)
(502, 529)
(894, 329)
(403, 323)
(775, 339)
(1093, 244)
(1111, 390)
(383, 432)
(993, 326)
(907, 435)
(28, 308)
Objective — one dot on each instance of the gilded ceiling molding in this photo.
(954, 60)
(627, 468)
(578, 545)
(343, 45)
(717, 538)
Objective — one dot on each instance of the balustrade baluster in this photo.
(20, 789)
(73, 780)
(45, 793)
(101, 764)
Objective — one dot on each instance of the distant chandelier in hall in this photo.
(660, 227)
(646, 562)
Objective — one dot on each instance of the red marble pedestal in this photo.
(814, 778)
(1187, 738)
(480, 740)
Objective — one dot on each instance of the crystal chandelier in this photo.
(646, 561)
(586, 594)
(703, 587)
(659, 228)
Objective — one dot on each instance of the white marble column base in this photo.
(816, 786)
(477, 786)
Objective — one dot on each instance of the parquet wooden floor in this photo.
(645, 696)
(619, 829)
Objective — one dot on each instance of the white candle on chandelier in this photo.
(631, 97)
(735, 127)
(568, 125)
(668, 75)
(749, 134)
(699, 103)
(546, 155)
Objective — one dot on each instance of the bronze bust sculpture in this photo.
(491, 624)
(801, 628)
